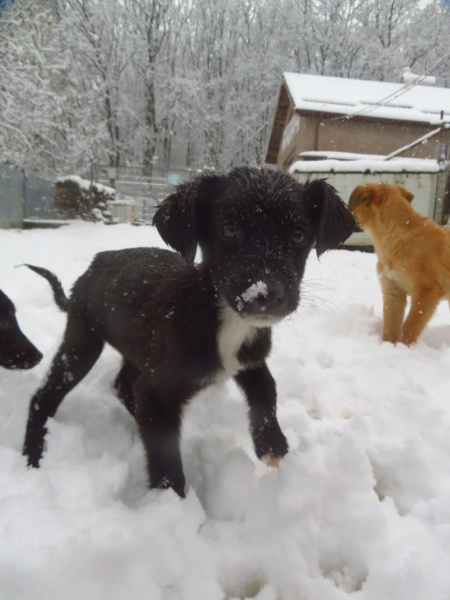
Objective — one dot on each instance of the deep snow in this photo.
(359, 508)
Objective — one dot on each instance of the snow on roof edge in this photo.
(366, 165)
(375, 99)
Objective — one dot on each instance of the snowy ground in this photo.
(359, 508)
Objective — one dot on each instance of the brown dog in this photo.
(413, 257)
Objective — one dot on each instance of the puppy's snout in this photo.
(274, 293)
(271, 298)
(25, 357)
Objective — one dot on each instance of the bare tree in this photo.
(148, 18)
(186, 84)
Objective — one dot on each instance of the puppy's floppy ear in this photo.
(333, 221)
(177, 216)
(405, 193)
(360, 194)
(176, 220)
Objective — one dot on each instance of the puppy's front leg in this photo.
(423, 305)
(260, 391)
(158, 412)
(394, 303)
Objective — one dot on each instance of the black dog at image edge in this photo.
(16, 350)
(181, 327)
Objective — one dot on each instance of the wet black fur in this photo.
(171, 319)
(16, 350)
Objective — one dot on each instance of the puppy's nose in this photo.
(273, 295)
(24, 354)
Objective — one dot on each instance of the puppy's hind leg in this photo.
(74, 359)
(260, 391)
(158, 412)
(124, 384)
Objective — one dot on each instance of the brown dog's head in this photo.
(367, 197)
(255, 228)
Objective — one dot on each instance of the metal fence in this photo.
(132, 185)
(39, 200)
(25, 198)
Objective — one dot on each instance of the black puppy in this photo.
(16, 350)
(182, 327)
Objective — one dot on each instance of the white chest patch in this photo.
(391, 274)
(233, 332)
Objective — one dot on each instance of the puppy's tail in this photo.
(58, 292)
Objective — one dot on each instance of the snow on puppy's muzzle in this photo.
(264, 301)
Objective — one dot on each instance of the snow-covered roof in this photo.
(369, 164)
(376, 99)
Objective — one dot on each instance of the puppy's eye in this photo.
(298, 236)
(230, 230)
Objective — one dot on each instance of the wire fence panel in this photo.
(12, 182)
(25, 197)
(39, 201)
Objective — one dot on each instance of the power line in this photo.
(405, 88)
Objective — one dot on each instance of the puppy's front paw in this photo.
(270, 443)
(390, 338)
(175, 482)
(407, 338)
(33, 456)
(271, 460)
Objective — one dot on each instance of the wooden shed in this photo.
(318, 113)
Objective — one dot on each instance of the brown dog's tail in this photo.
(58, 292)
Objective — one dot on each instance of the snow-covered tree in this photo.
(171, 83)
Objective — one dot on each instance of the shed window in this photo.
(290, 131)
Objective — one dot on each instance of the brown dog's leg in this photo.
(423, 305)
(394, 303)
